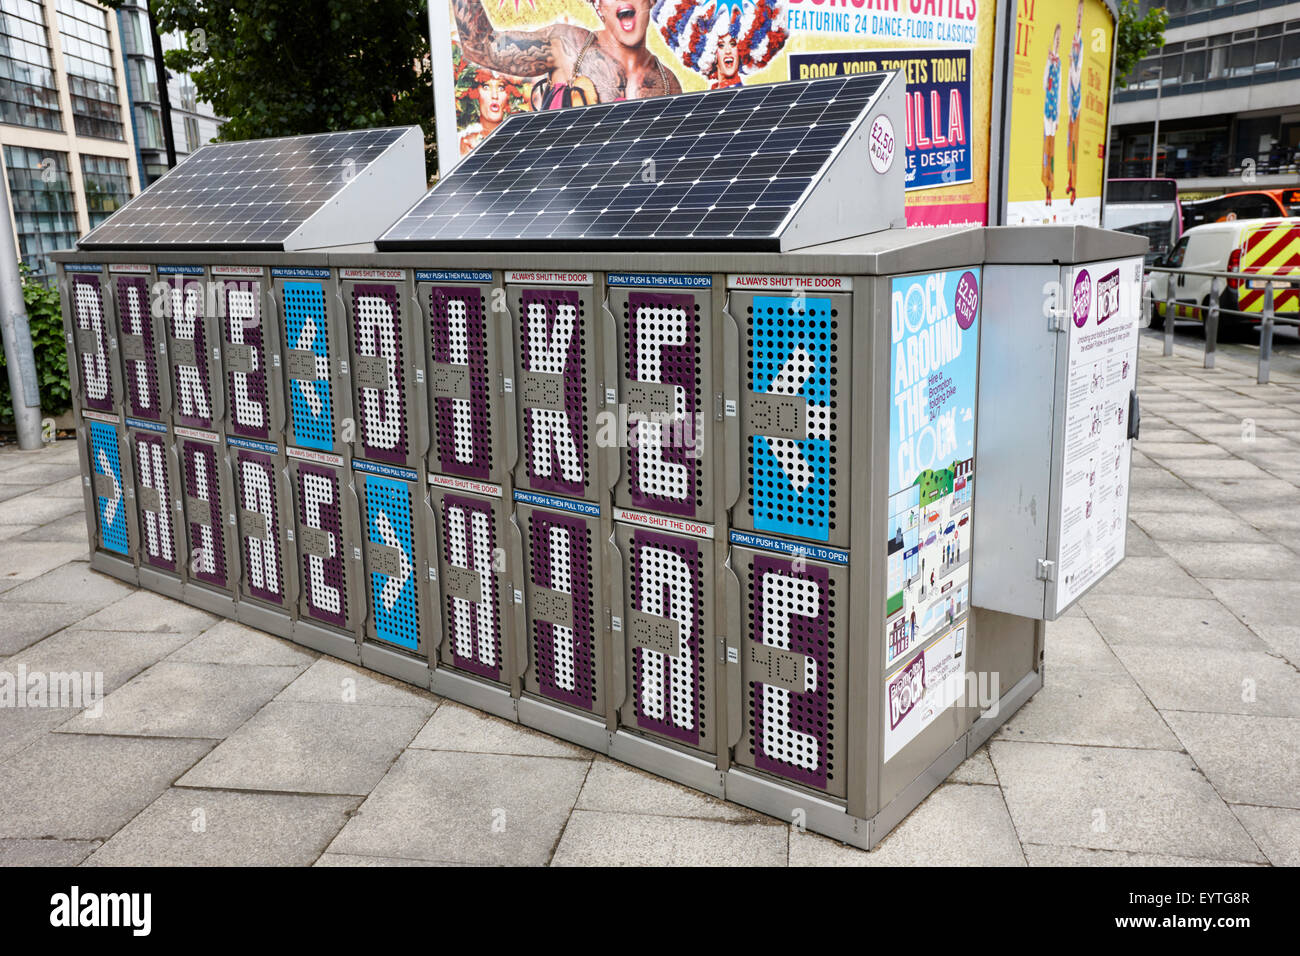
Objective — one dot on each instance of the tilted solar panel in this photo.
(271, 193)
(727, 167)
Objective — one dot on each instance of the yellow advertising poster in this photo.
(515, 55)
(1059, 97)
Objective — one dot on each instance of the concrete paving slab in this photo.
(1174, 499)
(628, 839)
(1151, 477)
(1242, 491)
(147, 611)
(1230, 559)
(228, 642)
(1281, 639)
(1167, 452)
(12, 532)
(1150, 801)
(1252, 760)
(957, 825)
(1137, 543)
(45, 852)
(470, 808)
(1215, 681)
(73, 583)
(23, 560)
(613, 787)
(20, 727)
(70, 529)
(175, 699)
(1258, 601)
(40, 473)
(304, 747)
(1042, 855)
(80, 787)
(328, 681)
(1277, 832)
(351, 859)
(1176, 623)
(1277, 521)
(1144, 575)
(977, 768)
(24, 623)
(1195, 526)
(219, 828)
(116, 655)
(454, 727)
(13, 491)
(1189, 468)
(36, 508)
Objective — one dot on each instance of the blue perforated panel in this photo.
(106, 460)
(792, 353)
(306, 330)
(389, 525)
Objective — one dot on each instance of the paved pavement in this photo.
(1168, 730)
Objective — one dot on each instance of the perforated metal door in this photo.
(189, 349)
(309, 363)
(383, 339)
(92, 333)
(464, 371)
(110, 488)
(391, 561)
(258, 490)
(557, 356)
(205, 508)
(249, 378)
(154, 490)
(140, 347)
(324, 543)
(668, 591)
(794, 668)
(795, 451)
(665, 380)
(473, 611)
(562, 600)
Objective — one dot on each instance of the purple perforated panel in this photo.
(458, 337)
(191, 386)
(199, 468)
(255, 476)
(377, 333)
(667, 581)
(246, 387)
(320, 542)
(473, 627)
(555, 438)
(791, 609)
(564, 655)
(141, 371)
(91, 342)
(157, 527)
(662, 335)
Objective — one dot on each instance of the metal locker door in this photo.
(209, 513)
(790, 684)
(314, 360)
(146, 386)
(193, 349)
(475, 591)
(665, 383)
(794, 450)
(558, 387)
(158, 506)
(472, 428)
(264, 524)
(393, 548)
(564, 626)
(250, 348)
(113, 496)
(667, 623)
(327, 528)
(387, 366)
(94, 341)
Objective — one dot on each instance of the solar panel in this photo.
(727, 167)
(272, 193)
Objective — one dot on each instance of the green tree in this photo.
(286, 67)
(45, 318)
(1136, 36)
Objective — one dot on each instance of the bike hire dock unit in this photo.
(647, 427)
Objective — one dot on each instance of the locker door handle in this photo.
(611, 344)
(615, 613)
(730, 406)
(520, 661)
(733, 645)
(509, 377)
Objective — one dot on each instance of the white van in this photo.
(1219, 247)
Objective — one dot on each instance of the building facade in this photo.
(1226, 89)
(65, 128)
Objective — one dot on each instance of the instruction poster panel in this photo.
(562, 54)
(1103, 302)
(934, 360)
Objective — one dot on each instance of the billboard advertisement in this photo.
(507, 57)
(1060, 92)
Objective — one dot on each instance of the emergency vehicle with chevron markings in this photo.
(1269, 247)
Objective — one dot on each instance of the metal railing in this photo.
(1268, 319)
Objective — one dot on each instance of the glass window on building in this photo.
(28, 95)
(45, 212)
(107, 184)
(88, 59)
(191, 134)
(148, 127)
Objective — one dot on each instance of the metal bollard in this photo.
(1266, 336)
(1169, 318)
(1212, 324)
